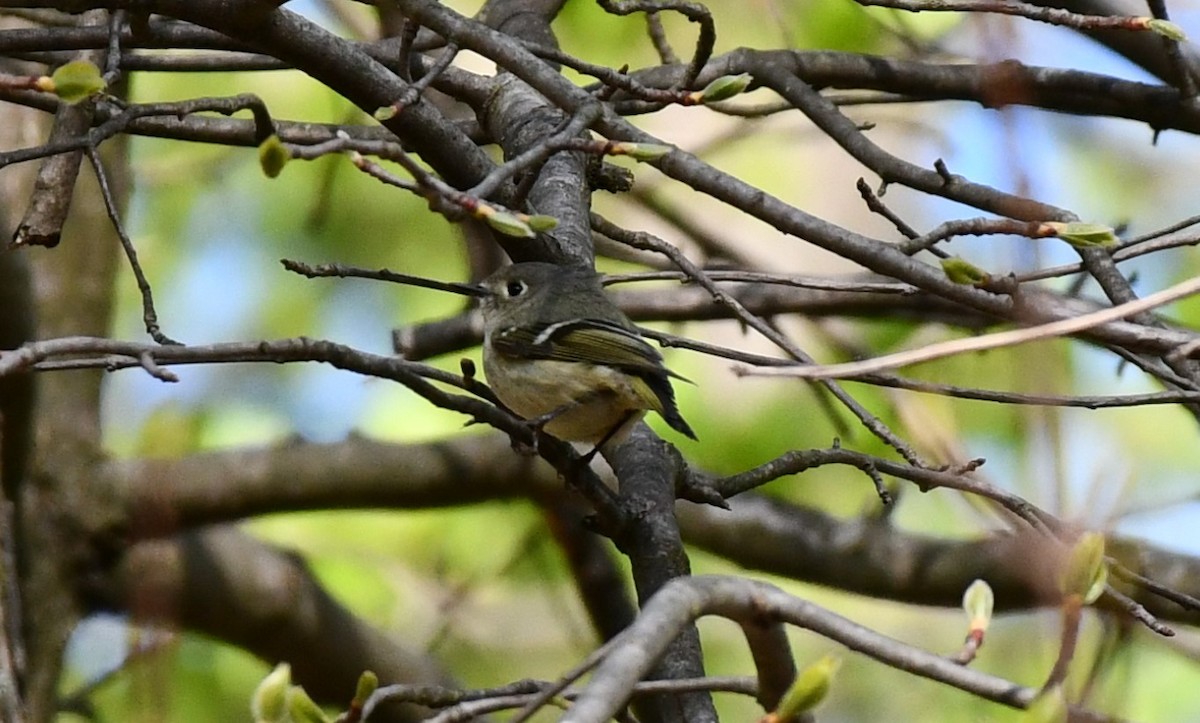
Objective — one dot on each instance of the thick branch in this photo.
(867, 556)
(221, 582)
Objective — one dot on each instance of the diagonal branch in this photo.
(997, 340)
(222, 582)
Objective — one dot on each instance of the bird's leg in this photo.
(537, 424)
(541, 420)
(587, 458)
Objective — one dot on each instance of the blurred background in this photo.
(484, 587)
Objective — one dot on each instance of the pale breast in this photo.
(603, 396)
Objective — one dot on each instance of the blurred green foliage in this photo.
(461, 581)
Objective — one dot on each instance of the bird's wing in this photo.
(593, 341)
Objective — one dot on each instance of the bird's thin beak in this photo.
(468, 289)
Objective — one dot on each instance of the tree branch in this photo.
(866, 556)
(221, 582)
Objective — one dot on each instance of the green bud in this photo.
(273, 156)
(645, 151)
(1167, 29)
(725, 87)
(541, 222)
(508, 224)
(302, 709)
(367, 683)
(269, 702)
(1085, 574)
(961, 271)
(75, 81)
(1084, 235)
(386, 112)
(978, 602)
(808, 690)
(1049, 707)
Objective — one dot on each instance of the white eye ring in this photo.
(515, 288)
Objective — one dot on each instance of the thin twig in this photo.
(958, 478)
(149, 315)
(998, 340)
(1182, 599)
(650, 242)
(695, 12)
(343, 271)
(94, 352)
(1054, 16)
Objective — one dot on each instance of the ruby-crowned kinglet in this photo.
(556, 348)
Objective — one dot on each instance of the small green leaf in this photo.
(368, 682)
(1167, 29)
(273, 156)
(1084, 235)
(961, 271)
(302, 709)
(541, 222)
(978, 602)
(386, 112)
(725, 87)
(269, 702)
(808, 690)
(508, 224)
(1049, 707)
(1085, 574)
(76, 81)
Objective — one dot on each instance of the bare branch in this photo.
(224, 583)
(1054, 16)
(683, 601)
(989, 341)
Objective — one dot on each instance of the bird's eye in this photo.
(515, 288)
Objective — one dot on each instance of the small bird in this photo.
(558, 352)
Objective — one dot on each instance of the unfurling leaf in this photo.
(75, 81)
(724, 88)
(1084, 235)
(808, 690)
(541, 222)
(1167, 29)
(644, 151)
(269, 702)
(1085, 574)
(302, 709)
(509, 224)
(273, 156)
(978, 602)
(961, 271)
(367, 683)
